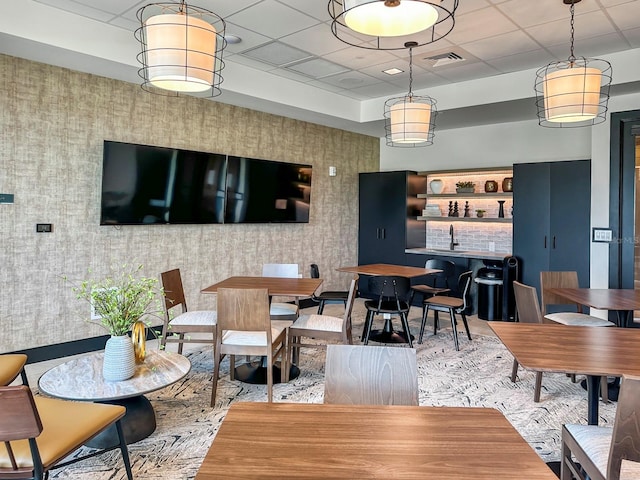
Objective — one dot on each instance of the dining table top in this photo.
(386, 269)
(546, 347)
(601, 298)
(291, 287)
(303, 441)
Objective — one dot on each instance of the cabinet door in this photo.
(383, 215)
(571, 218)
(531, 221)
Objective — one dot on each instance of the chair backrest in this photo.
(244, 309)
(567, 279)
(440, 279)
(281, 270)
(390, 287)
(626, 427)
(351, 298)
(173, 290)
(314, 271)
(527, 304)
(464, 286)
(19, 420)
(368, 375)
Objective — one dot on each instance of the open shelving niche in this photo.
(481, 200)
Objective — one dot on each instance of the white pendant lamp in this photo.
(575, 92)
(181, 49)
(389, 24)
(410, 120)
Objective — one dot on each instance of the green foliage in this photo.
(122, 299)
(465, 184)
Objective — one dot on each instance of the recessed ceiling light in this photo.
(393, 71)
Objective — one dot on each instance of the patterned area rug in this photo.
(476, 376)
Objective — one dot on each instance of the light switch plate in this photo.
(603, 235)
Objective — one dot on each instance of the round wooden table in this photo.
(81, 379)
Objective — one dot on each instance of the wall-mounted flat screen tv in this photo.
(143, 184)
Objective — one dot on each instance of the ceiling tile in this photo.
(317, 39)
(633, 36)
(591, 24)
(84, 10)
(626, 16)
(273, 19)
(276, 53)
(357, 58)
(594, 47)
(527, 14)
(468, 72)
(467, 6)
(501, 45)
(522, 61)
(317, 68)
(491, 21)
(350, 80)
(316, 8)
(249, 39)
(224, 8)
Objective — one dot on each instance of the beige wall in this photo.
(52, 125)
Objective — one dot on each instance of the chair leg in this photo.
(604, 389)
(124, 450)
(284, 361)
(536, 392)
(367, 327)
(270, 379)
(514, 371)
(405, 327)
(435, 322)
(455, 328)
(180, 344)
(321, 307)
(216, 372)
(232, 367)
(466, 325)
(425, 312)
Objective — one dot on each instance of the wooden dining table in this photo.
(388, 334)
(623, 301)
(323, 441)
(591, 351)
(256, 373)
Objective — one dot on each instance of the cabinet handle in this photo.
(554, 242)
(377, 233)
(384, 233)
(545, 241)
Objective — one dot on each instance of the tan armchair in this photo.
(12, 365)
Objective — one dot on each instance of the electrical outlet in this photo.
(492, 246)
(44, 227)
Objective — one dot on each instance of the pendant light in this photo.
(574, 92)
(389, 24)
(181, 49)
(410, 120)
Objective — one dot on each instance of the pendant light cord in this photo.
(410, 72)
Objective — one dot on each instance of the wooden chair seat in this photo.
(12, 365)
(444, 303)
(428, 290)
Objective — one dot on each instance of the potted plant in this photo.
(465, 187)
(118, 303)
(480, 213)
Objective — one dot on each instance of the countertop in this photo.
(482, 255)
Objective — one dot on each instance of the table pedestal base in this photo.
(257, 373)
(139, 422)
(383, 336)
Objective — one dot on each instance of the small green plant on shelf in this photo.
(465, 187)
(480, 213)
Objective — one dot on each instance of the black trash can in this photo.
(489, 280)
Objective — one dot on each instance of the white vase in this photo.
(436, 185)
(119, 360)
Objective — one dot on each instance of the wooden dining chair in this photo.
(606, 453)
(437, 283)
(37, 434)
(12, 365)
(370, 375)
(282, 310)
(528, 311)
(451, 305)
(179, 323)
(327, 296)
(322, 327)
(245, 327)
(567, 279)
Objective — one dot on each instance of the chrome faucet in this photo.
(452, 243)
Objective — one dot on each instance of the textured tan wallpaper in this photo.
(52, 125)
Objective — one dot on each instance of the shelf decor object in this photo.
(181, 49)
(465, 187)
(490, 186)
(507, 184)
(410, 120)
(573, 92)
(389, 24)
(437, 186)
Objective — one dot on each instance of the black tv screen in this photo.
(143, 184)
